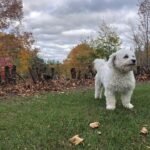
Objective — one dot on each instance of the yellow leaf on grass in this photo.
(144, 130)
(76, 140)
(148, 147)
(94, 125)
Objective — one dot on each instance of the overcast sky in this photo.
(58, 25)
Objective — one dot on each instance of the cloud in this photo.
(58, 25)
(78, 32)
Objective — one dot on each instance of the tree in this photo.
(11, 44)
(10, 10)
(25, 51)
(80, 55)
(19, 48)
(106, 42)
(80, 58)
(144, 27)
(24, 57)
(19, 45)
(8, 45)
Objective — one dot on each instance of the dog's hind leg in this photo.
(97, 88)
(101, 90)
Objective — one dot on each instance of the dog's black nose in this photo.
(134, 61)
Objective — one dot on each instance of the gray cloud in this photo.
(59, 25)
(77, 6)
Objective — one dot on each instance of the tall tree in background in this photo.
(26, 51)
(138, 40)
(17, 45)
(107, 41)
(19, 48)
(80, 55)
(144, 14)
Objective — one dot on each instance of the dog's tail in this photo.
(98, 64)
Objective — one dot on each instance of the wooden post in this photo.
(33, 79)
(7, 74)
(73, 73)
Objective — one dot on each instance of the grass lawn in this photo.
(48, 121)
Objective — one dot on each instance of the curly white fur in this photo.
(116, 75)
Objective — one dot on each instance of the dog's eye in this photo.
(126, 56)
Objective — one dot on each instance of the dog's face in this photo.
(124, 61)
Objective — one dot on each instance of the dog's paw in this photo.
(130, 106)
(96, 97)
(100, 97)
(110, 107)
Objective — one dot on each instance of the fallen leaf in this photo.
(94, 125)
(76, 140)
(144, 130)
(148, 147)
(99, 132)
(61, 92)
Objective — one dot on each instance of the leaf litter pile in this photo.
(29, 88)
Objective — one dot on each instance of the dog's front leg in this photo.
(110, 100)
(126, 99)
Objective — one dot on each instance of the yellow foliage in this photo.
(79, 55)
(19, 48)
(24, 59)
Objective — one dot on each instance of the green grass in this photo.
(48, 121)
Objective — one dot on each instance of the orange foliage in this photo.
(79, 56)
(18, 48)
(8, 45)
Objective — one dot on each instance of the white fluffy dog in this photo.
(116, 75)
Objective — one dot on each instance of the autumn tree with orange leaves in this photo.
(80, 58)
(19, 48)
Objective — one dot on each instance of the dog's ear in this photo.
(111, 60)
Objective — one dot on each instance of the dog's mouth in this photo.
(132, 64)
